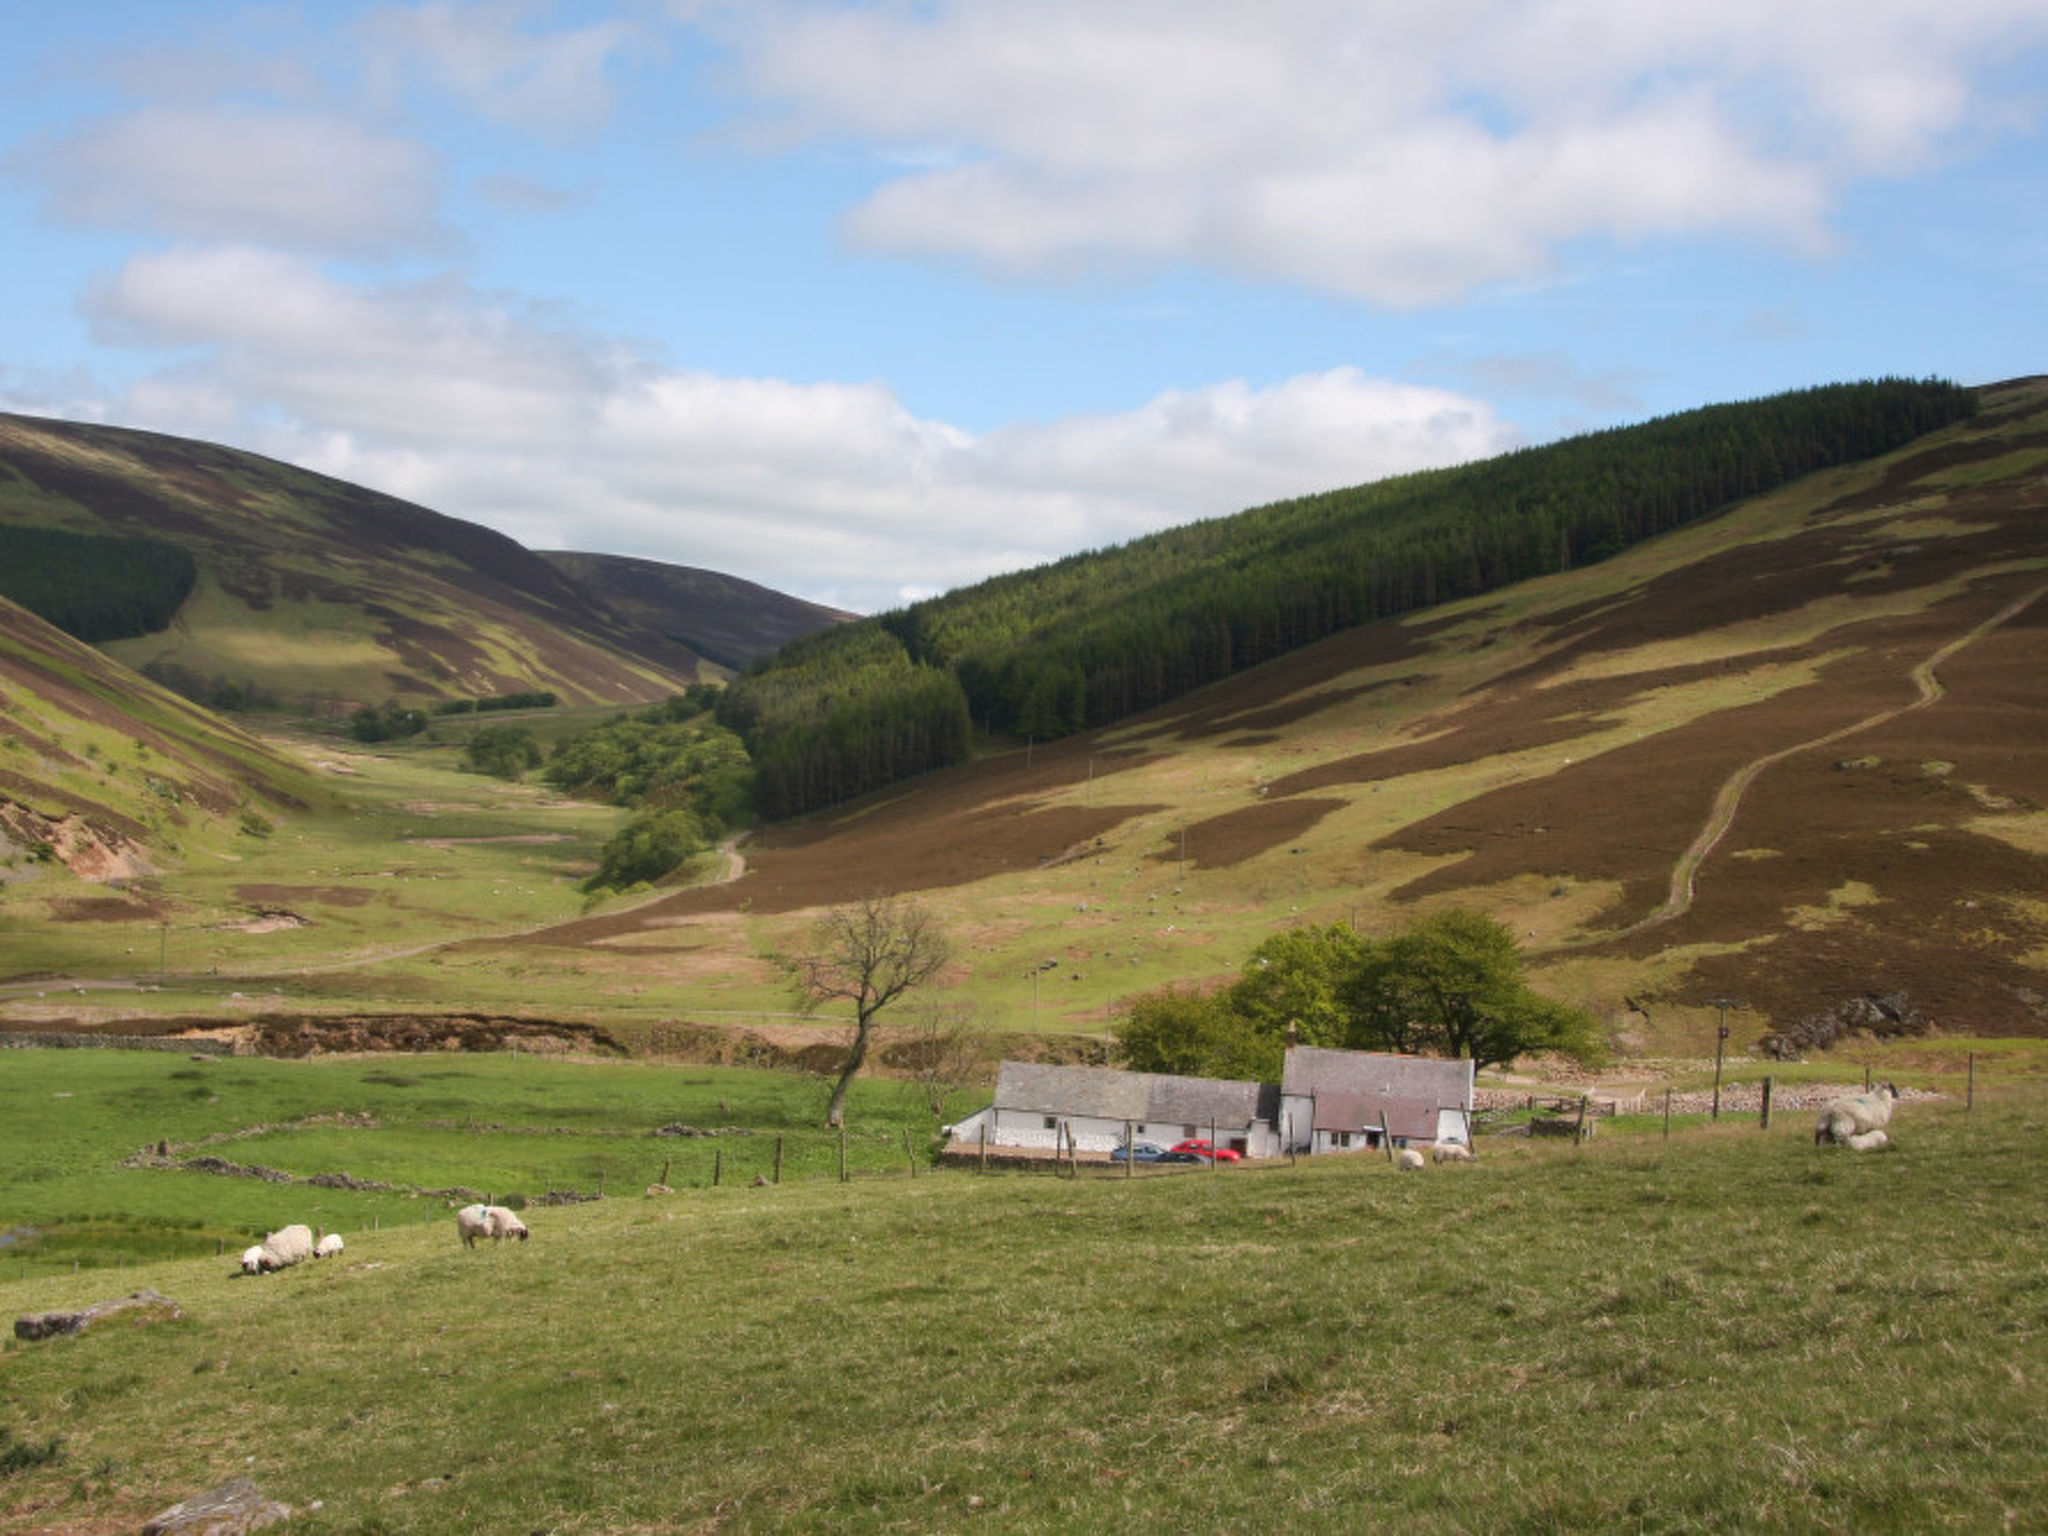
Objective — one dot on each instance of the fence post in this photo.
(1763, 1122)
(984, 1146)
(1970, 1088)
(717, 1167)
(1667, 1114)
(1130, 1147)
(842, 1154)
(778, 1159)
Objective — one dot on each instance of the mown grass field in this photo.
(1727, 1330)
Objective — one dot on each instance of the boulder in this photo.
(229, 1510)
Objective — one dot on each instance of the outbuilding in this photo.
(1336, 1101)
(1094, 1109)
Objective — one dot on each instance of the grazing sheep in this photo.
(328, 1246)
(285, 1247)
(1867, 1141)
(1451, 1152)
(493, 1221)
(252, 1259)
(1853, 1115)
(1408, 1158)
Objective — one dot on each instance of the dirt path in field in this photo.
(1728, 800)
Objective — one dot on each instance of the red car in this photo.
(1214, 1154)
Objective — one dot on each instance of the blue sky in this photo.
(864, 302)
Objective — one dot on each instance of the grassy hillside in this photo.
(1096, 638)
(105, 776)
(1788, 755)
(311, 591)
(1727, 1328)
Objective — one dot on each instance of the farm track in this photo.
(1728, 800)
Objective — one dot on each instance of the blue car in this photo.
(1138, 1152)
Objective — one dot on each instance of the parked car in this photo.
(1180, 1157)
(1138, 1152)
(1204, 1150)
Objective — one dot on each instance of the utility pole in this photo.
(1720, 1043)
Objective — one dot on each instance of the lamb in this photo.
(252, 1259)
(1451, 1152)
(1854, 1115)
(1408, 1159)
(328, 1247)
(1867, 1141)
(283, 1248)
(493, 1221)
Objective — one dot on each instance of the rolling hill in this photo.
(723, 619)
(103, 772)
(312, 592)
(1789, 755)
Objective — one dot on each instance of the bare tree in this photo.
(868, 954)
(948, 1046)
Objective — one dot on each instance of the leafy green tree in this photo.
(503, 751)
(1305, 979)
(1196, 1034)
(1451, 984)
(647, 848)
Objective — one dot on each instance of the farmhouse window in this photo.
(1052, 1122)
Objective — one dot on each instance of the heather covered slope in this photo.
(310, 589)
(1790, 754)
(727, 621)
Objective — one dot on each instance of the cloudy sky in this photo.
(868, 301)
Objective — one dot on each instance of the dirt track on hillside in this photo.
(1859, 857)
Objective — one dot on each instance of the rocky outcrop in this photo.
(229, 1510)
(145, 1306)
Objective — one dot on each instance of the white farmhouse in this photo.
(1333, 1101)
(1094, 1109)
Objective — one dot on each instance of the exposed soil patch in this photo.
(285, 896)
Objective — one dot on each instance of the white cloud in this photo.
(502, 414)
(296, 179)
(1388, 151)
(485, 53)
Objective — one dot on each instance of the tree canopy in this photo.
(1450, 984)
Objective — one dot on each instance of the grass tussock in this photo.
(1728, 1329)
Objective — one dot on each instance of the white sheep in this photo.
(285, 1247)
(1854, 1115)
(1451, 1152)
(493, 1221)
(252, 1259)
(328, 1247)
(1408, 1159)
(1867, 1141)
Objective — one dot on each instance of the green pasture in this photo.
(1729, 1330)
(512, 1127)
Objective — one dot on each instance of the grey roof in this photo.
(1409, 1119)
(1361, 1090)
(1315, 1071)
(1103, 1093)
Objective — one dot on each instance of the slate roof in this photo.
(1103, 1093)
(1316, 1070)
(1351, 1090)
